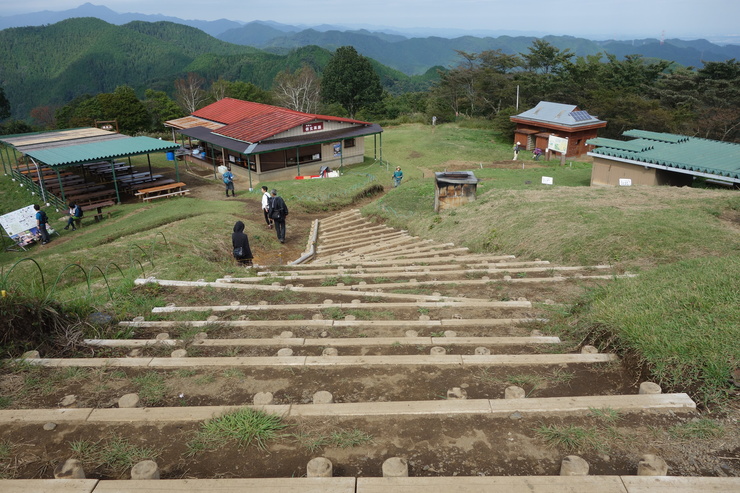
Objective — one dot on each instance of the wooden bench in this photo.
(98, 208)
(171, 190)
(92, 197)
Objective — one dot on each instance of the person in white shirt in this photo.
(266, 198)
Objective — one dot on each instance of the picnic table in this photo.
(170, 190)
(151, 184)
(79, 188)
(98, 208)
(92, 197)
(53, 183)
(126, 170)
(45, 175)
(130, 181)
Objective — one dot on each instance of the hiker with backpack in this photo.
(229, 182)
(42, 220)
(75, 214)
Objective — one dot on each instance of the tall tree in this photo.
(190, 93)
(219, 88)
(4, 105)
(123, 106)
(350, 80)
(545, 58)
(298, 90)
(44, 116)
(161, 107)
(246, 91)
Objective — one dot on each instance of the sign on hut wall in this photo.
(453, 189)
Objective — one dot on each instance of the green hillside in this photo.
(89, 56)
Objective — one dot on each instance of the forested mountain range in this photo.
(51, 65)
(416, 55)
(410, 54)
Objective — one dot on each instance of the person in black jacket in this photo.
(240, 242)
(278, 211)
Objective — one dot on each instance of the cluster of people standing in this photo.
(275, 211)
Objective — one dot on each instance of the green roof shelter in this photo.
(654, 158)
(73, 147)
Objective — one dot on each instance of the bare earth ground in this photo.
(434, 446)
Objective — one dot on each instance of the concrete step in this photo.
(499, 360)
(332, 342)
(398, 324)
(356, 306)
(354, 291)
(527, 407)
(433, 260)
(311, 269)
(445, 484)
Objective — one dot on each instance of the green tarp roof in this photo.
(99, 151)
(673, 151)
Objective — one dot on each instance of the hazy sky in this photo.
(603, 18)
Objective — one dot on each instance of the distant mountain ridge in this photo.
(410, 55)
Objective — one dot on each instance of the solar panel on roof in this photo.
(580, 116)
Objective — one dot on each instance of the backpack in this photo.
(44, 217)
(78, 211)
(228, 176)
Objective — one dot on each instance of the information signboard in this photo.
(557, 144)
(20, 226)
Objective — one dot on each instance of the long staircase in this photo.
(394, 330)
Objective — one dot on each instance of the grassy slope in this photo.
(680, 315)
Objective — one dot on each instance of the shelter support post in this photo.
(249, 172)
(61, 186)
(298, 160)
(149, 162)
(2, 157)
(115, 182)
(42, 188)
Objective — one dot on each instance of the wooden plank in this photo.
(168, 187)
(48, 485)
(171, 194)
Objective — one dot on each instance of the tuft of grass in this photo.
(116, 453)
(151, 387)
(7, 469)
(607, 414)
(702, 429)
(244, 426)
(570, 438)
(314, 441)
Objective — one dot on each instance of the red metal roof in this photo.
(253, 122)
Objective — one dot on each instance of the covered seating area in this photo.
(88, 166)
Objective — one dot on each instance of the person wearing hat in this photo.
(517, 148)
(397, 176)
(277, 212)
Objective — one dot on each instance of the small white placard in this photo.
(547, 180)
(625, 182)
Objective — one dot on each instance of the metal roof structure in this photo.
(83, 145)
(250, 122)
(567, 115)
(679, 153)
(100, 151)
